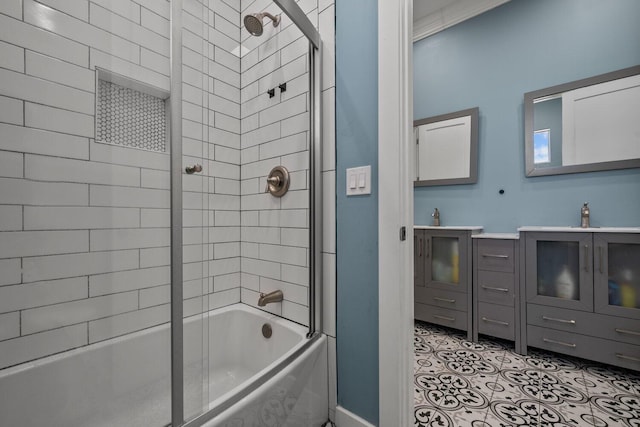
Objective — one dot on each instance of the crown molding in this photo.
(453, 14)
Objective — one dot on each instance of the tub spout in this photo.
(275, 296)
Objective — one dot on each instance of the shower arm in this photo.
(273, 18)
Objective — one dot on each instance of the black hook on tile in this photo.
(271, 92)
(283, 87)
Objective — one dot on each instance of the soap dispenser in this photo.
(436, 217)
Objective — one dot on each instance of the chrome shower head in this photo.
(253, 22)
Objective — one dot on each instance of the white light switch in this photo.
(352, 182)
(359, 181)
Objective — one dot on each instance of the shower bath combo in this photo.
(220, 364)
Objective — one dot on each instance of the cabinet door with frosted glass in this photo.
(446, 258)
(559, 269)
(617, 275)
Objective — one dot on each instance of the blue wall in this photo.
(357, 217)
(490, 61)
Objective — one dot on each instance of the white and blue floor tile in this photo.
(459, 383)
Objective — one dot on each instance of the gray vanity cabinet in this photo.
(442, 277)
(495, 287)
(583, 295)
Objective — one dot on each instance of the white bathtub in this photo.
(126, 381)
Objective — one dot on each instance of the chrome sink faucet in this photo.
(436, 217)
(275, 296)
(585, 212)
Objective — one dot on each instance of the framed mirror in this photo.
(447, 149)
(583, 126)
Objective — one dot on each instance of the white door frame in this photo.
(395, 210)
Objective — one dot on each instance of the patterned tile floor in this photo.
(486, 384)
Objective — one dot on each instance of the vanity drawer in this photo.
(581, 322)
(441, 316)
(562, 319)
(496, 320)
(440, 298)
(496, 287)
(496, 255)
(592, 348)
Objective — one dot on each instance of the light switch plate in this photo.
(361, 176)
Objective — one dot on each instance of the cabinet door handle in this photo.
(450, 319)
(586, 258)
(499, 322)
(553, 319)
(420, 247)
(625, 357)
(601, 259)
(428, 247)
(627, 332)
(566, 344)
(491, 288)
(495, 256)
(450, 301)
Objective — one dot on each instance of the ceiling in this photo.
(422, 8)
(431, 16)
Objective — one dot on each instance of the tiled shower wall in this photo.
(275, 131)
(84, 226)
(211, 129)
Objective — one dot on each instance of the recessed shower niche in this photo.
(130, 113)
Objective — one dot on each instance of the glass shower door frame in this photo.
(293, 11)
(177, 343)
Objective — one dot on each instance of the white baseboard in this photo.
(345, 418)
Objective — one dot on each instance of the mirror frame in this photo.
(529, 97)
(473, 148)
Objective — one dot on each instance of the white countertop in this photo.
(582, 230)
(501, 236)
(477, 230)
(448, 227)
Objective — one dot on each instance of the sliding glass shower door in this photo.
(195, 171)
(123, 215)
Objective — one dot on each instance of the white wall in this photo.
(84, 226)
(84, 241)
(275, 131)
(211, 129)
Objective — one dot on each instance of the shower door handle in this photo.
(190, 170)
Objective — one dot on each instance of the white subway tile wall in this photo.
(278, 56)
(73, 244)
(84, 226)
